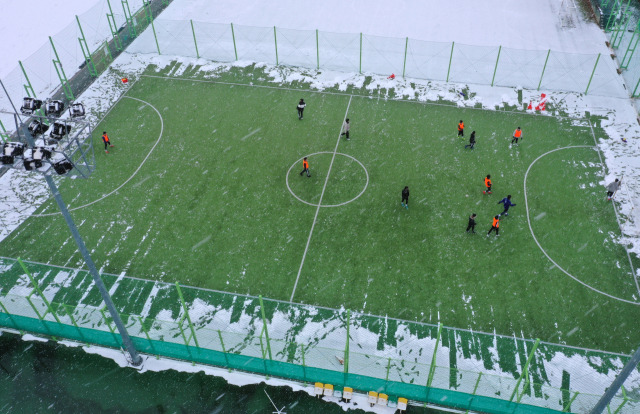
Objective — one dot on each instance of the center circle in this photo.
(298, 162)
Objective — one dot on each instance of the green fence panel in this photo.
(383, 55)
(297, 48)
(215, 41)
(339, 51)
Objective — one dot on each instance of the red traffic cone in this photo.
(125, 80)
(530, 107)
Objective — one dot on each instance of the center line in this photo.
(326, 180)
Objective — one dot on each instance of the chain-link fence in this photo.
(66, 64)
(363, 53)
(422, 362)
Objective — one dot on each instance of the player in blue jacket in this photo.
(507, 203)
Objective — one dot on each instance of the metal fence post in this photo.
(544, 68)
(567, 407)
(195, 42)
(496, 68)
(153, 27)
(85, 51)
(475, 388)
(129, 18)
(4, 136)
(633, 95)
(146, 333)
(404, 66)
(386, 380)
(186, 315)
(450, 59)
(275, 39)
(28, 86)
(592, 73)
(360, 70)
(114, 28)
(432, 369)
(525, 370)
(61, 75)
(317, 49)
(224, 351)
(346, 347)
(233, 35)
(304, 365)
(264, 323)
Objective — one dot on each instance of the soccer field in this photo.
(203, 187)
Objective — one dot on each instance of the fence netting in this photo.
(423, 362)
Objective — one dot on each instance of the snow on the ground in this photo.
(517, 24)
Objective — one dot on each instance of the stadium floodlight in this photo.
(72, 152)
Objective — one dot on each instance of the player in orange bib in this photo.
(461, 129)
(495, 226)
(107, 143)
(487, 183)
(517, 134)
(305, 167)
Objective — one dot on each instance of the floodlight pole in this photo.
(616, 384)
(136, 359)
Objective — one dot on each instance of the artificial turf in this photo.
(213, 206)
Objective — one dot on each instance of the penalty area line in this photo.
(315, 218)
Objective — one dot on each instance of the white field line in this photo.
(315, 218)
(132, 175)
(615, 210)
(526, 202)
(281, 88)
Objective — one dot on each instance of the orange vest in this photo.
(460, 126)
(518, 133)
(105, 138)
(487, 182)
(496, 222)
(305, 164)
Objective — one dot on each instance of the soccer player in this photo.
(487, 183)
(461, 129)
(507, 203)
(472, 140)
(612, 188)
(107, 143)
(305, 167)
(300, 107)
(405, 198)
(495, 226)
(346, 126)
(517, 134)
(472, 224)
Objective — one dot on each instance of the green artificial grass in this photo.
(211, 208)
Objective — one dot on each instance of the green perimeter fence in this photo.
(66, 64)
(422, 362)
(546, 70)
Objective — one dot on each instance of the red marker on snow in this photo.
(392, 76)
(125, 80)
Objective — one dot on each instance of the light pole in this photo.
(136, 359)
